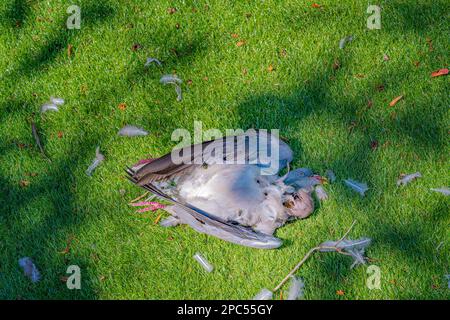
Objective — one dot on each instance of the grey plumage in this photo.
(239, 203)
(359, 187)
(405, 179)
(296, 288)
(132, 131)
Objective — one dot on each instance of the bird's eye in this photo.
(257, 181)
(265, 194)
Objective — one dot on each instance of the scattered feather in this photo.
(132, 131)
(169, 222)
(173, 79)
(440, 72)
(359, 187)
(405, 179)
(296, 288)
(151, 60)
(344, 41)
(395, 100)
(264, 294)
(96, 162)
(330, 175)
(57, 101)
(355, 248)
(49, 107)
(179, 94)
(29, 269)
(321, 193)
(444, 190)
(203, 262)
(170, 79)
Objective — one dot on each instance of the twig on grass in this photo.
(320, 247)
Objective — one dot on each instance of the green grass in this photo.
(122, 254)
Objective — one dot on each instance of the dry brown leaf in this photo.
(171, 10)
(122, 106)
(395, 100)
(234, 35)
(316, 5)
(340, 292)
(240, 43)
(440, 72)
(24, 183)
(270, 68)
(60, 134)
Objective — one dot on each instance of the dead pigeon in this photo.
(243, 203)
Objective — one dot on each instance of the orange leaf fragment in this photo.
(440, 72)
(394, 102)
(316, 5)
(340, 292)
(240, 43)
(122, 106)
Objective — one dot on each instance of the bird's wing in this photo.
(230, 148)
(205, 222)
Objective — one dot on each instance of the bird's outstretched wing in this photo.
(247, 147)
(205, 222)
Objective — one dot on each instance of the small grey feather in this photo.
(321, 193)
(330, 175)
(29, 269)
(264, 294)
(344, 41)
(170, 79)
(404, 180)
(355, 248)
(49, 107)
(359, 187)
(132, 131)
(57, 101)
(151, 60)
(444, 190)
(296, 288)
(96, 162)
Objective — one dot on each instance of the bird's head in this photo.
(298, 204)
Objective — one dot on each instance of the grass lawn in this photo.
(265, 65)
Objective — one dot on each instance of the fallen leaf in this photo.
(316, 5)
(440, 72)
(171, 10)
(69, 50)
(340, 292)
(24, 183)
(270, 68)
(240, 43)
(394, 102)
(189, 81)
(360, 75)
(205, 78)
(60, 134)
(122, 106)
(234, 35)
